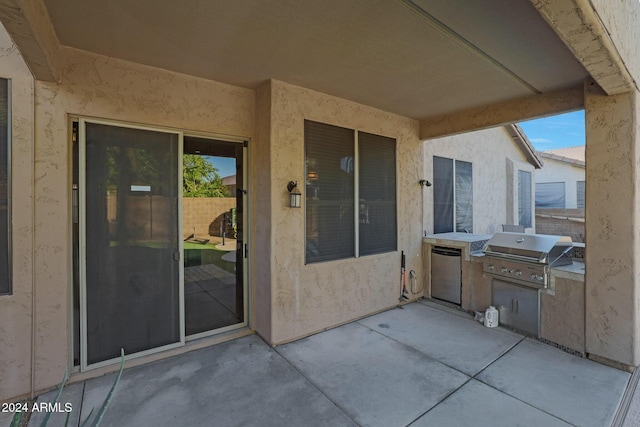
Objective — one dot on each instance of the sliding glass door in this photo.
(130, 287)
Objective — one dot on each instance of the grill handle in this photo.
(516, 257)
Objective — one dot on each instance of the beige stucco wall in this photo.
(559, 171)
(309, 298)
(107, 88)
(496, 159)
(15, 309)
(203, 216)
(612, 281)
(262, 255)
(622, 21)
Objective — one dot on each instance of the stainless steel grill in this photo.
(525, 258)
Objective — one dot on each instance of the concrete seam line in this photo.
(627, 398)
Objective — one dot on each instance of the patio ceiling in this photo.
(419, 58)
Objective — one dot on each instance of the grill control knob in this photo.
(534, 276)
(541, 278)
(518, 273)
(504, 270)
(490, 267)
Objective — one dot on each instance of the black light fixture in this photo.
(294, 194)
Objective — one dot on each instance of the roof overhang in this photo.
(453, 66)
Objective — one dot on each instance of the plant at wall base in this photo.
(103, 408)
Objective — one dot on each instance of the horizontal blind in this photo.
(5, 182)
(329, 160)
(377, 211)
(580, 195)
(464, 196)
(442, 194)
(524, 198)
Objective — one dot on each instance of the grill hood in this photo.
(538, 248)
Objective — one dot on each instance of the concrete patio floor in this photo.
(423, 365)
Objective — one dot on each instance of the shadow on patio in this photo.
(423, 365)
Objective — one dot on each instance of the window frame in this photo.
(356, 196)
(454, 180)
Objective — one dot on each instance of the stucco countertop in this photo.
(573, 271)
(456, 237)
(470, 243)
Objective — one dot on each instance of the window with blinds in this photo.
(580, 195)
(377, 194)
(524, 198)
(334, 175)
(452, 195)
(5, 190)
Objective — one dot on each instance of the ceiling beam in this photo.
(503, 113)
(581, 29)
(29, 25)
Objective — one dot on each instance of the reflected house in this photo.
(343, 97)
(230, 183)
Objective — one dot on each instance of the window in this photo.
(453, 195)
(5, 190)
(343, 190)
(377, 195)
(580, 195)
(550, 195)
(524, 198)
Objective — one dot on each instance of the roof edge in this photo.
(520, 138)
(574, 162)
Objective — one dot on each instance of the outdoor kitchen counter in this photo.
(573, 271)
(474, 296)
(562, 305)
(468, 242)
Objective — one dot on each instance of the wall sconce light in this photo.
(424, 183)
(294, 194)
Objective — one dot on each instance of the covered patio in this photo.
(422, 365)
(256, 73)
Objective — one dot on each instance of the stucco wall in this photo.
(310, 298)
(622, 20)
(203, 216)
(15, 309)
(558, 171)
(496, 160)
(612, 284)
(103, 87)
(561, 222)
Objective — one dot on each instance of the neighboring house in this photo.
(560, 193)
(102, 99)
(481, 180)
(561, 182)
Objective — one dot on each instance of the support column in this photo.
(612, 281)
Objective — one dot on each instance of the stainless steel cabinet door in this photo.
(519, 307)
(446, 276)
(527, 309)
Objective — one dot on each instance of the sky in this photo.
(549, 133)
(226, 165)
